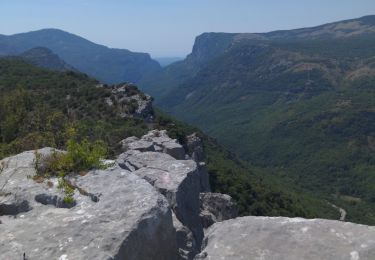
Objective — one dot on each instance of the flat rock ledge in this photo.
(288, 239)
(128, 219)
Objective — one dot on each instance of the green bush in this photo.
(80, 156)
(69, 190)
(85, 155)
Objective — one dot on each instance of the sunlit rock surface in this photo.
(282, 238)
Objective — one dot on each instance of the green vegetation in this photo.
(40, 108)
(255, 191)
(45, 58)
(69, 191)
(321, 143)
(79, 158)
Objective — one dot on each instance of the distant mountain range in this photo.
(209, 46)
(106, 64)
(300, 103)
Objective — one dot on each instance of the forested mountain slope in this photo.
(45, 58)
(41, 108)
(299, 103)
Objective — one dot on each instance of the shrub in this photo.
(69, 190)
(80, 156)
(85, 155)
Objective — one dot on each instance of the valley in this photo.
(297, 104)
(143, 144)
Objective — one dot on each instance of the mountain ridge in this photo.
(209, 46)
(301, 108)
(86, 56)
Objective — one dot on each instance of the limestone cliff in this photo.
(153, 203)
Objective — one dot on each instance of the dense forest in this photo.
(298, 105)
(39, 108)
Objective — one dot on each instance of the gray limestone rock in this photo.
(195, 147)
(141, 145)
(177, 180)
(124, 212)
(174, 149)
(116, 215)
(195, 151)
(166, 144)
(282, 238)
(185, 240)
(216, 207)
(157, 141)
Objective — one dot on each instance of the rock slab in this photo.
(128, 219)
(282, 238)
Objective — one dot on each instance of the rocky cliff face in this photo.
(147, 206)
(153, 203)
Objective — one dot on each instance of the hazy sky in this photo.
(168, 27)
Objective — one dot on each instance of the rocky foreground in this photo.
(154, 202)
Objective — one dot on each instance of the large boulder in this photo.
(178, 180)
(116, 215)
(157, 141)
(288, 239)
(216, 207)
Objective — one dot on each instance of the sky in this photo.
(167, 28)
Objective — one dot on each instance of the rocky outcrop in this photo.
(131, 102)
(123, 218)
(155, 141)
(178, 180)
(194, 147)
(288, 239)
(216, 207)
(150, 205)
(161, 161)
